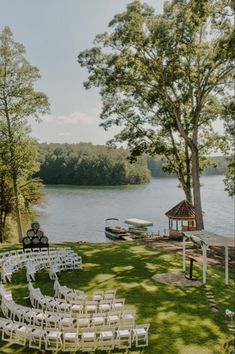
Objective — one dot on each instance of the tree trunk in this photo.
(18, 214)
(196, 189)
(14, 180)
(188, 181)
(188, 193)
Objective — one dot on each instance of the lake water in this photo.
(73, 213)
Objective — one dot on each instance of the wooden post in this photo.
(184, 255)
(226, 264)
(204, 255)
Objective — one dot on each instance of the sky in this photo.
(53, 33)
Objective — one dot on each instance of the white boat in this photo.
(137, 228)
(115, 232)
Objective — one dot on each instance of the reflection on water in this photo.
(79, 213)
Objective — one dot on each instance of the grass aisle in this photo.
(181, 321)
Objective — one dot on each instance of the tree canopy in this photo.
(18, 102)
(86, 164)
(164, 79)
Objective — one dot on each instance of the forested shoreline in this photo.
(88, 164)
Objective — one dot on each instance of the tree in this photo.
(87, 164)
(229, 111)
(165, 76)
(29, 189)
(18, 102)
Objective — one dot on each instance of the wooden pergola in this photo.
(181, 218)
(206, 239)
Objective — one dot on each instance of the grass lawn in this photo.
(181, 321)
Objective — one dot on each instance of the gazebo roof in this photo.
(183, 210)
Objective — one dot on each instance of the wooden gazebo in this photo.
(181, 218)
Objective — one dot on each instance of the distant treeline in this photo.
(155, 166)
(87, 164)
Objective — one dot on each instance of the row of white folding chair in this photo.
(64, 264)
(70, 294)
(91, 339)
(87, 340)
(54, 304)
(9, 254)
(4, 293)
(12, 310)
(36, 316)
(60, 320)
(28, 253)
(16, 263)
(49, 303)
(105, 338)
(9, 267)
(33, 267)
(43, 261)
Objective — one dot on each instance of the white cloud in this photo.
(71, 128)
(64, 134)
(80, 118)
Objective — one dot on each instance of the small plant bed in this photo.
(181, 320)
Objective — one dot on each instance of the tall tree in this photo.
(229, 113)
(165, 75)
(29, 189)
(18, 102)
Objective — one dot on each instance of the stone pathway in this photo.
(174, 278)
(211, 298)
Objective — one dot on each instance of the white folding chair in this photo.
(76, 306)
(52, 320)
(97, 320)
(97, 295)
(109, 294)
(106, 338)
(63, 306)
(113, 318)
(128, 318)
(88, 340)
(70, 341)
(91, 306)
(83, 321)
(140, 335)
(53, 339)
(105, 305)
(79, 295)
(20, 334)
(124, 337)
(118, 304)
(7, 331)
(66, 322)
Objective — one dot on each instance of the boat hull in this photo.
(114, 236)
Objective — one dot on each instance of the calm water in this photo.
(79, 213)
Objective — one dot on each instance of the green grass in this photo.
(181, 321)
